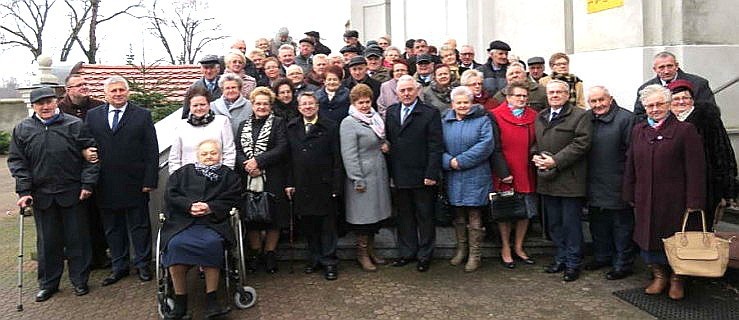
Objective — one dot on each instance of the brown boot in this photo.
(659, 283)
(475, 240)
(371, 251)
(460, 231)
(362, 256)
(677, 287)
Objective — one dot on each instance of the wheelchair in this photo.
(234, 270)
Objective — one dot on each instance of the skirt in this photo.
(197, 245)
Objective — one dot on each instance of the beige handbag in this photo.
(696, 253)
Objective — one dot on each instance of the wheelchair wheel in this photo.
(245, 297)
(164, 306)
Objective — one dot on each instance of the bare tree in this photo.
(187, 30)
(89, 14)
(23, 23)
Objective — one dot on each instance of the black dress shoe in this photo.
(423, 265)
(526, 260)
(571, 274)
(509, 265)
(402, 262)
(114, 277)
(331, 273)
(45, 294)
(555, 268)
(618, 274)
(216, 312)
(144, 274)
(311, 268)
(596, 265)
(270, 262)
(81, 290)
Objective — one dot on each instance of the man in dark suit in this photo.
(45, 158)
(467, 59)
(129, 155)
(314, 182)
(668, 70)
(210, 68)
(413, 132)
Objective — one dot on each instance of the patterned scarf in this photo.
(209, 172)
(253, 148)
(571, 80)
(373, 120)
(196, 121)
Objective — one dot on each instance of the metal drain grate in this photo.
(704, 299)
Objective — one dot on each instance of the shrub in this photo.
(4, 142)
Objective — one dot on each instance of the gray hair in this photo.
(319, 56)
(665, 54)
(294, 67)
(407, 78)
(461, 91)
(115, 79)
(391, 48)
(229, 76)
(213, 142)
(287, 47)
(653, 90)
(602, 88)
(465, 79)
(556, 81)
(233, 55)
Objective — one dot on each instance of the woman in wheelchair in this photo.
(196, 231)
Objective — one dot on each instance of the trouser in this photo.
(97, 232)
(60, 232)
(321, 234)
(612, 231)
(565, 228)
(415, 222)
(124, 225)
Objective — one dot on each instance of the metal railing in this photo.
(726, 85)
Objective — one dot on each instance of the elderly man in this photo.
(317, 74)
(424, 69)
(281, 38)
(563, 135)
(129, 155)
(349, 52)
(77, 100)
(668, 70)
(611, 218)
(210, 69)
(413, 132)
(320, 48)
(375, 70)
(45, 158)
(494, 69)
(536, 68)
(358, 74)
(351, 38)
(421, 47)
(305, 58)
(467, 58)
(296, 76)
(537, 95)
(286, 56)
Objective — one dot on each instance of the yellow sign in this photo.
(600, 5)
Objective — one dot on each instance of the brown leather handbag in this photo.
(728, 235)
(696, 253)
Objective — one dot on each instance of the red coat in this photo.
(665, 174)
(487, 101)
(517, 135)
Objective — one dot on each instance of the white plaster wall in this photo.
(710, 22)
(619, 70)
(615, 28)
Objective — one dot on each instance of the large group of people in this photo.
(366, 135)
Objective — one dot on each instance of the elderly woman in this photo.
(297, 78)
(437, 93)
(392, 55)
(261, 152)
(201, 124)
(388, 96)
(198, 197)
(367, 190)
(664, 177)
(272, 69)
(235, 63)
(257, 56)
(333, 97)
(449, 58)
(515, 121)
(232, 104)
(468, 143)
(721, 170)
(560, 65)
(317, 74)
(286, 105)
(473, 80)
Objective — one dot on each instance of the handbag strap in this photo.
(718, 214)
(703, 219)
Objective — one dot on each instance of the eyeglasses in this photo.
(559, 64)
(655, 105)
(467, 54)
(681, 99)
(522, 96)
(475, 84)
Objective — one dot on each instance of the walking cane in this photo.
(23, 212)
(292, 231)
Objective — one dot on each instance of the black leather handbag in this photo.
(507, 206)
(258, 207)
(443, 214)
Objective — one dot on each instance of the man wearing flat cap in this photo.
(494, 69)
(304, 59)
(536, 68)
(281, 38)
(349, 52)
(375, 69)
(357, 67)
(210, 69)
(320, 48)
(424, 69)
(45, 158)
(351, 38)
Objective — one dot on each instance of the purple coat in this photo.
(665, 174)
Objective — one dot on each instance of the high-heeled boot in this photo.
(362, 257)
(659, 280)
(460, 254)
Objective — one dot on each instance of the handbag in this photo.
(728, 235)
(258, 206)
(696, 253)
(443, 214)
(507, 206)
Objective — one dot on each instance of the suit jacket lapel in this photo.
(126, 114)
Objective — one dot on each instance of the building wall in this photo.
(12, 111)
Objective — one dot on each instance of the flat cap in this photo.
(209, 59)
(351, 34)
(424, 58)
(308, 40)
(371, 51)
(42, 93)
(499, 45)
(356, 61)
(283, 31)
(535, 60)
(354, 49)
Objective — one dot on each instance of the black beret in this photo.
(354, 49)
(499, 45)
(356, 61)
(424, 58)
(351, 34)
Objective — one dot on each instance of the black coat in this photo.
(702, 94)
(316, 170)
(186, 187)
(274, 162)
(335, 109)
(129, 156)
(416, 146)
(607, 157)
(493, 80)
(349, 83)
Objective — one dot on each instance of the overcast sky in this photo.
(248, 20)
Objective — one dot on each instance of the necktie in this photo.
(308, 127)
(406, 111)
(554, 115)
(115, 119)
(211, 86)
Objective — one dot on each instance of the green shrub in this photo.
(4, 142)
